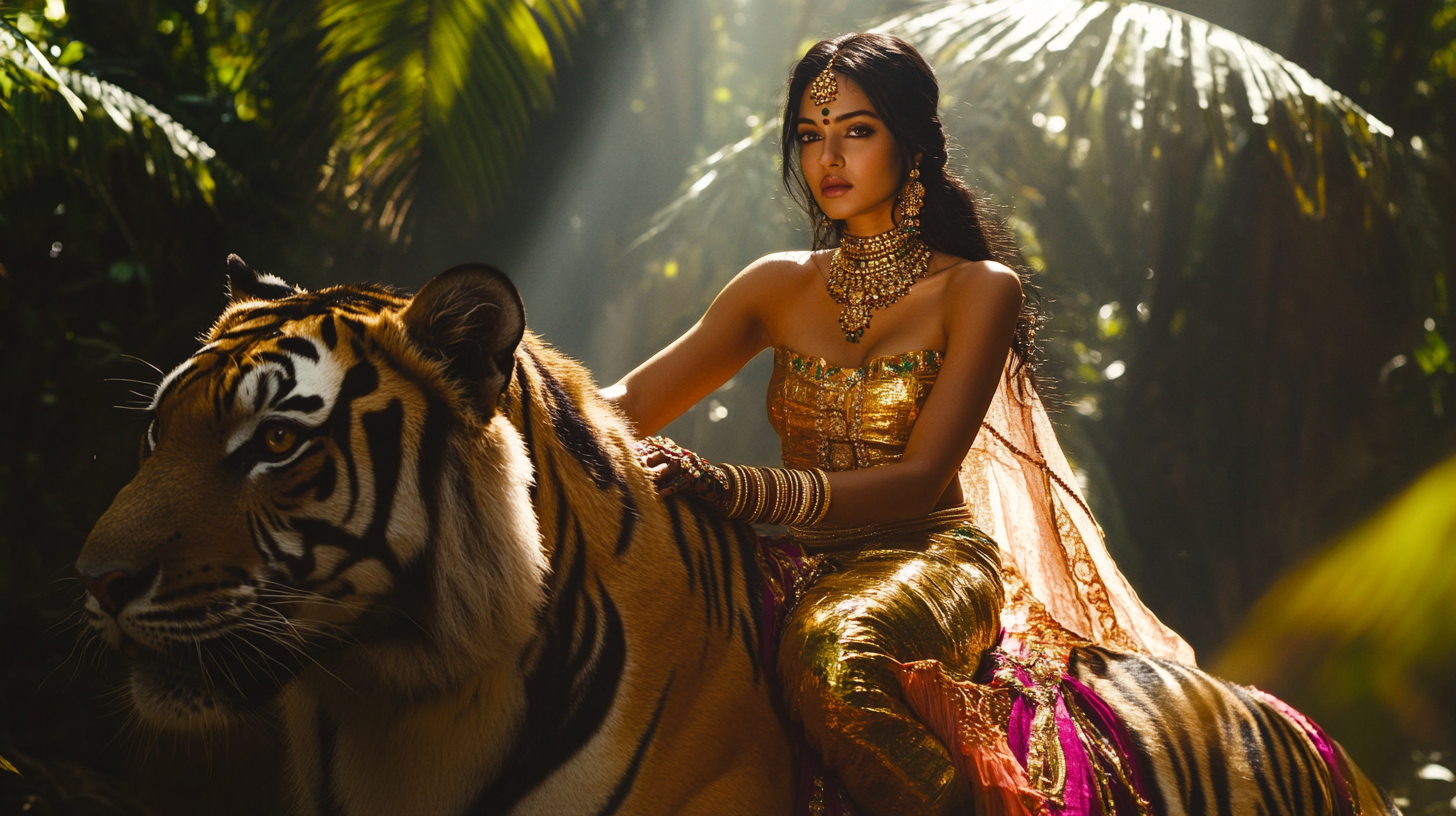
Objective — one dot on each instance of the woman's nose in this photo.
(830, 156)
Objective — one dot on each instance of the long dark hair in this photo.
(954, 220)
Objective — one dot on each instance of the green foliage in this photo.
(53, 118)
(459, 78)
(1434, 356)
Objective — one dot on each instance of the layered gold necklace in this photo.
(872, 273)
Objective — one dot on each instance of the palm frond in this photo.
(459, 79)
(53, 118)
(1145, 75)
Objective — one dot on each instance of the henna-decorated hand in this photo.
(676, 469)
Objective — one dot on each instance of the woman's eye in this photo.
(808, 136)
(279, 439)
(861, 130)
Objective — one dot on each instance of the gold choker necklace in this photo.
(872, 273)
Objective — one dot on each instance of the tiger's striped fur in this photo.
(458, 582)
(1211, 748)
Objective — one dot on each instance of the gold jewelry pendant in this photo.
(872, 273)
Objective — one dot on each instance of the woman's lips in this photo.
(834, 187)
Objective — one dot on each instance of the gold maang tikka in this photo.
(825, 88)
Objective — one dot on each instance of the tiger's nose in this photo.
(114, 590)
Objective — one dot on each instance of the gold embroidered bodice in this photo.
(847, 418)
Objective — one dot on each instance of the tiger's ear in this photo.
(245, 284)
(471, 317)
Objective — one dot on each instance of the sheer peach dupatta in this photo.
(1062, 590)
(1022, 493)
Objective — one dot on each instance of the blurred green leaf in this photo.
(1365, 628)
(128, 269)
(456, 78)
(72, 53)
(1435, 356)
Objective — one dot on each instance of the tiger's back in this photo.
(1206, 746)
(662, 595)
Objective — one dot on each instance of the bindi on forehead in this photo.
(848, 98)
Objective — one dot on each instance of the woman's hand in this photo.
(676, 469)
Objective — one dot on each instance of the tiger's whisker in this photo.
(137, 359)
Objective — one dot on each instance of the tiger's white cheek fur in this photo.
(453, 700)
(489, 569)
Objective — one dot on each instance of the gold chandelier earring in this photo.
(914, 199)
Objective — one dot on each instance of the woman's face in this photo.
(850, 161)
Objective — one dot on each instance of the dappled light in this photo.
(1239, 215)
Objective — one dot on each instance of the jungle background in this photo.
(1246, 276)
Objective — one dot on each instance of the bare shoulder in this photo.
(779, 270)
(784, 264)
(990, 283)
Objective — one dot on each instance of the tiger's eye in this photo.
(279, 439)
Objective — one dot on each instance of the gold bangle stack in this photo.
(821, 480)
(796, 498)
(735, 492)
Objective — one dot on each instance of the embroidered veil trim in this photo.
(1023, 494)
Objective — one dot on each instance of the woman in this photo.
(892, 339)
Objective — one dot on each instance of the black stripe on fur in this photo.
(624, 785)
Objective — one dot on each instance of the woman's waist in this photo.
(913, 533)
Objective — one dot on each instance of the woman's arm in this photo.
(714, 349)
(981, 303)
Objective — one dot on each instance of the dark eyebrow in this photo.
(804, 120)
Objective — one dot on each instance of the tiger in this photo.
(1208, 746)
(418, 532)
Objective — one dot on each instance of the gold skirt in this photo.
(929, 588)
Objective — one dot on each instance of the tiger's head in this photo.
(325, 483)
